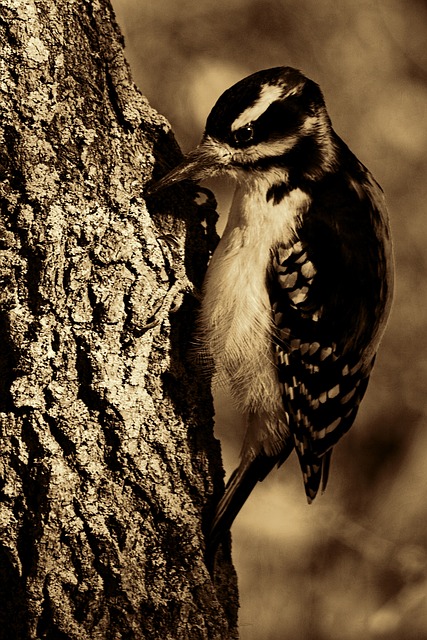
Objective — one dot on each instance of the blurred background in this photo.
(354, 564)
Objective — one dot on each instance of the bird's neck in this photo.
(260, 221)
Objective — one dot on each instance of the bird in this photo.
(298, 291)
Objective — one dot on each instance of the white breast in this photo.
(236, 322)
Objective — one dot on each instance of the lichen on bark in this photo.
(108, 465)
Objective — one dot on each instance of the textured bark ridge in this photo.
(108, 465)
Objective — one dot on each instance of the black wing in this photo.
(328, 298)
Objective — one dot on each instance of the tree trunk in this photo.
(108, 464)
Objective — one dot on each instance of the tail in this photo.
(238, 489)
(315, 471)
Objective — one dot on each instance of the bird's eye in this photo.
(244, 134)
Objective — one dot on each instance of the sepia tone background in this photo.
(354, 564)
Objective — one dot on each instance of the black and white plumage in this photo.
(299, 289)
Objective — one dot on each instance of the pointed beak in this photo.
(201, 163)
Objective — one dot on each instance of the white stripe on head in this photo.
(266, 149)
(269, 94)
(224, 154)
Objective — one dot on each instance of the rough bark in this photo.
(108, 465)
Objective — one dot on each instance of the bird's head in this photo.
(274, 119)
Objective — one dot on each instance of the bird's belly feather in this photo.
(236, 326)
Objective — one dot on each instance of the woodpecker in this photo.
(298, 291)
